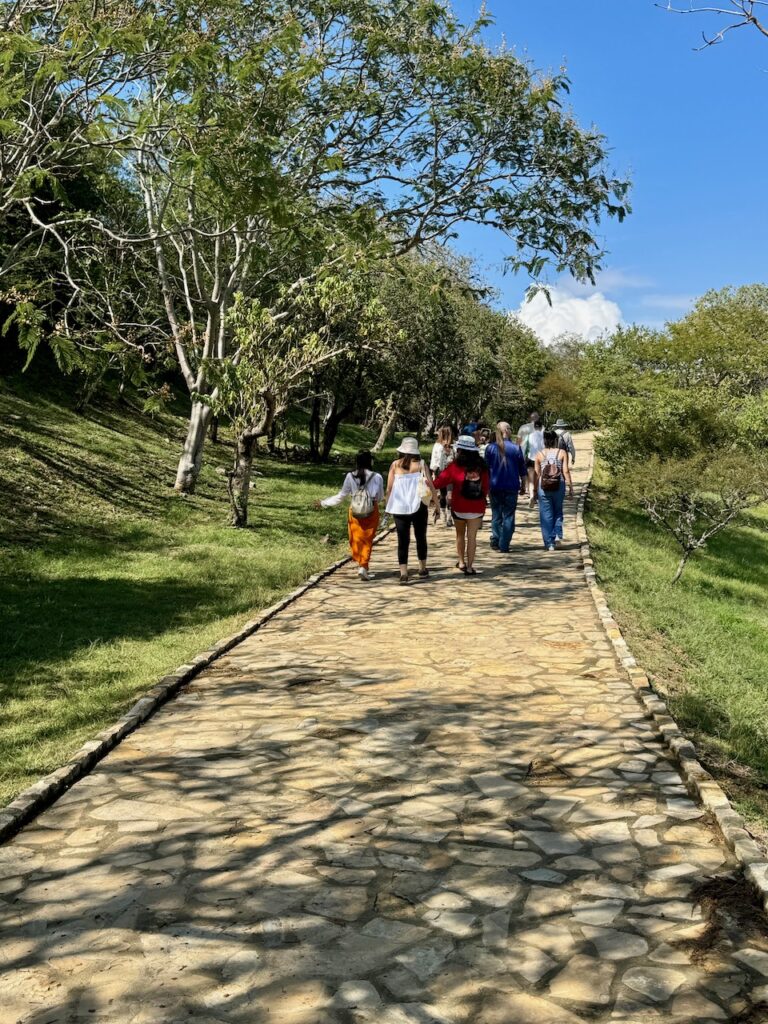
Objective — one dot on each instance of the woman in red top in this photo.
(469, 476)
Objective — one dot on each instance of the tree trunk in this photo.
(314, 431)
(214, 430)
(334, 417)
(239, 480)
(388, 425)
(272, 439)
(681, 565)
(192, 454)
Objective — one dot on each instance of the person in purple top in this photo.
(506, 464)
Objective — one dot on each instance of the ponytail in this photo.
(503, 433)
(363, 462)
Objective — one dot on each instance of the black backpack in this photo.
(472, 486)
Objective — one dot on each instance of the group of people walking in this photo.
(458, 481)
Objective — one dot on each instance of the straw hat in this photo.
(409, 446)
(466, 443)
(560, 425)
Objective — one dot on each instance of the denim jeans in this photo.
(551, 514)
(503, 508)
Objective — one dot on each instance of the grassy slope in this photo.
(108, 579)
(704, 641)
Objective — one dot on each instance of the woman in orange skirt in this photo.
(365, 489)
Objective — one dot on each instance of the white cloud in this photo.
(589, 316)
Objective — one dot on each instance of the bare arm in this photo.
(428, 477)
(390, 480)
(567, 471)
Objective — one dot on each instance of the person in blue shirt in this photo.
(469, 428)
(506, 464)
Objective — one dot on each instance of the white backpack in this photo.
(362, 504)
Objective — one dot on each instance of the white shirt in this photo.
(404, 498)
(440, 458)
(535, 443)
(374, 484)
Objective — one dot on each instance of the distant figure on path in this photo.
(552, 475)
(442, 457)
(565, 440)
(483, 439)
(469, 477)
(365, 489)
(533, 443)
(522, 436)
(506, 465)
(469, 428)
(409, 493)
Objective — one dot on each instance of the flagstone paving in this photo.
(433, 805)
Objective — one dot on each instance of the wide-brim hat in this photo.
(409, 446)
(560, 423)
(467, 443)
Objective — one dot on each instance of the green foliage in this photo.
(682, 409)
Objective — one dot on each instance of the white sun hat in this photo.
(409, 446)
(467, 443)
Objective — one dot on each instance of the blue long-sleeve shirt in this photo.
(505, 475)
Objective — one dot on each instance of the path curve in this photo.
(440, 803)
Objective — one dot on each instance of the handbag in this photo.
(424, 490)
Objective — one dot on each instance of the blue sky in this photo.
(688, 127)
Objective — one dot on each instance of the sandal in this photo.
(423, 573)
(403, 580)
(470, 570)
(460, 566)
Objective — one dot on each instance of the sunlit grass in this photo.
(704, 641)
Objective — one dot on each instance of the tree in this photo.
(243, 125)
(695, 498)
(560, 390)
(279, 349)
(679, 410)
(738, 14)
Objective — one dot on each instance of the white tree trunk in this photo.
(388, 425)
(192, 454)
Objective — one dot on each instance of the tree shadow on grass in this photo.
(48, 620)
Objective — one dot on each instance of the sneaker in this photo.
(558, 542)
(551, 547)
(449, 522)
(363, 574)
(494, 547)
(531, 502)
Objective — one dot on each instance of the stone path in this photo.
(434, 804)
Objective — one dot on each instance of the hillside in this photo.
(108, 579)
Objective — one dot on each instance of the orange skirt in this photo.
(361, 534)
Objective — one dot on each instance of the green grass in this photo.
(704, 641)
(108, 579)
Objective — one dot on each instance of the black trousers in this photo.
(403, 524)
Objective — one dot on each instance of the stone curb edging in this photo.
(700, 783)
(38, 797)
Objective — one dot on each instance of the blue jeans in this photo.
(551, 514)
(503, 508)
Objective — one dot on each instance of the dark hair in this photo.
(550, 438)
(363, 461)
(537, 424)
(468, 460)
(406, 460)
